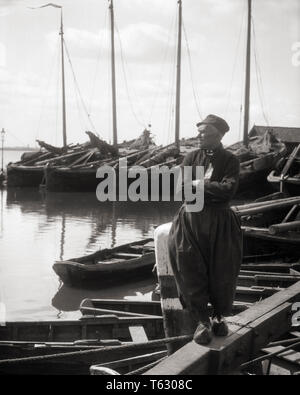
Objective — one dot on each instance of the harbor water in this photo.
(38, 228)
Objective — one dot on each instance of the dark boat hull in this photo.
(107, 333)
(24, 176)
(84, 179)
(70, 180)
(103, 328)
(258, 242)
(76, 365)
(80, 275)
(127, 262)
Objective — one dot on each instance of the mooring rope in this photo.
(98, 351)
(271, 355)
(144, 369)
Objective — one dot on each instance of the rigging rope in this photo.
(158, 84)
(144, 369)
(258, 76)
(99, 57)
(79, 92)
(96, 351)
(141, 123)
(196, 98)
(80, 117)
(235, 62)
(15, 137)
(170, 115)
(43, 101)
(169, 118)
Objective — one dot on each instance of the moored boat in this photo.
(130, 307)
(2, 178)
(259, 240)
(271, 227)
(71, 347)
(24, 176)
(258, 159)
(111, 265)
(287, 175)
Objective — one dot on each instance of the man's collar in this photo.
(213, 152)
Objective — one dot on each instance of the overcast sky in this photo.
(30, 79)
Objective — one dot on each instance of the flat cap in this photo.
(217, 122)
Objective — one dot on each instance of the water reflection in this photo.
(69, 299)
(38, 229)
(85, 208)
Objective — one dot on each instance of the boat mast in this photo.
(178, 78)
(63, 82)
(113, 75)
(2, 149)
(248, 71)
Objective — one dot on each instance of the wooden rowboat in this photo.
(116, 338)
(123, 307)
(111, 265)
(106, 327)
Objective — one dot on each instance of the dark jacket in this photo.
(225, 177)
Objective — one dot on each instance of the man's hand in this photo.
(197, 183)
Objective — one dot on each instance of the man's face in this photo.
(209, 136)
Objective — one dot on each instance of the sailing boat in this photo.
(32, 170)
(286, 176)
(258, 153)
(81, 176)
(29, 172)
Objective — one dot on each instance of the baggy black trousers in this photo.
(205, 250)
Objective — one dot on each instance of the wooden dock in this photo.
(250, 331)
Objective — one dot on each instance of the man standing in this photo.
(205, 248)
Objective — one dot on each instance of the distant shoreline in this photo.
(20, 149)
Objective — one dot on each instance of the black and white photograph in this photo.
(149, 190)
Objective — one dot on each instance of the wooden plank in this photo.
(128, 362)
(252, 338)
(126, 255)
(108, 327)
(191, 359)
(133, 306)
(290, 213)
(177, 321)
(118, 313)
(249, 332)
(138, 334)
(279, 280)
(291, 294)
(290, 355)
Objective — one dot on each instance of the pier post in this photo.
(177, 321)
